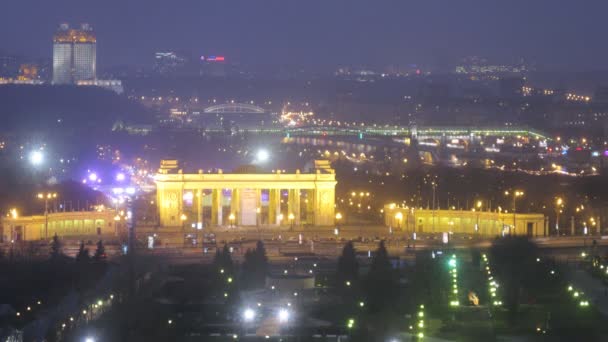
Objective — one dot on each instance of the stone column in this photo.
(310, 206)
(274, 205)
(199, 207)
(325, 206)
(294, 205)
(216, 207)
(235, 206)
(258, 207)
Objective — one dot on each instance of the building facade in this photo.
(245, 198)
(74, 55)
(486, 223)
(64, 224)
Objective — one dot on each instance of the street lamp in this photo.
(291, 218)
(516, 193)
(283, 316)
(46, 197)
(248, 315)
(478, 205)
(399, 217)
(183, 218)
(559, 204)
(36, 158)
(231, 218)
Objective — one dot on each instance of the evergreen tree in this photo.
(100, 252)
(226, 260)
(83, 254)
(55, 247)
(348, 267)
(382, 282)
(261, 263)
(255, 267)
(514, 260)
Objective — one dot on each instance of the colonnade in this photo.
(252, 199)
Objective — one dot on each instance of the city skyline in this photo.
(324, 35)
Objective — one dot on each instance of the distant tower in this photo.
(74, 54)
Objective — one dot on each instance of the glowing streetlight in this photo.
(248, 315)
(515, 193)
(291, 219)
(46, 197)
(231, 218)
(399, 217)
(283, 316)
(14, 213)
(183, 218)
(93, 177)
(559, 203)
(262, 156)
(36, 158)
(478, 205)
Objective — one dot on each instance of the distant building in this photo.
(486, 223)
(74, 55)
(214, 66)
(113, 85)
(28, 72)
(168, 62)
(89, 224)
(9, 66)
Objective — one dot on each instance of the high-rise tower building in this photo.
(74, 54)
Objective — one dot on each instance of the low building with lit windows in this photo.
(484, 223)
(65, 224)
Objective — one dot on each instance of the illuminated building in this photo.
(64, 224)
(74, 55)
(254, 198)
(113, 85)
(168, 62)
(28, 72)
(487, 223)
(214, 66)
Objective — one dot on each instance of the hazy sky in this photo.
(559, 33)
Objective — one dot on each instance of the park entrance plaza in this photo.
(245, 197)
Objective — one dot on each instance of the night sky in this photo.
(565, 34)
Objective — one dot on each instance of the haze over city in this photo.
(303, 171)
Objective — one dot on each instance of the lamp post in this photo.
(183, 218)
(258, 211)
(478, 205)
(515, 193)
(338, 218)
(399, 217)
(434, 184)
(46, 197)
(291, 218)
(559, 204)
(231, 218)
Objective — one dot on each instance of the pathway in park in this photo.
(595, 290)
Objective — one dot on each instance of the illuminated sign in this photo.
(213, 58)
